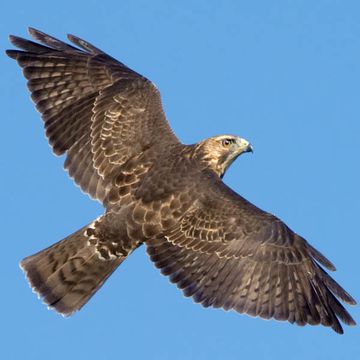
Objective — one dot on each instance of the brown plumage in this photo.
(216, 246)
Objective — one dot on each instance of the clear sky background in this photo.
(283, 74)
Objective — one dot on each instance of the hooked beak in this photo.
(241, 146)
(249, 149)
(244, 146)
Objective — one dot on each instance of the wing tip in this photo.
(319, 257)
(17, 41)
(349, 299)
(35, 33)
(12, 54)
(13, 39)
(84, 45)
(338, 329)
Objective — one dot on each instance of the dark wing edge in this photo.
(67, 84)
(232, 255)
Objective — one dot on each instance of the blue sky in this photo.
(283, 74)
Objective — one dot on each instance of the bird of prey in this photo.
(214, 245)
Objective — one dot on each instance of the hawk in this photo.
(214, 245)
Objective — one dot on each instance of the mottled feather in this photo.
(216, 246)
(225, 252)
(95, 109)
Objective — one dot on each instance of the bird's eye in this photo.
(227, 142)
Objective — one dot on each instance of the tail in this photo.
(67, 274)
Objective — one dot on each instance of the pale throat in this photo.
(219, 164)
(214, 157)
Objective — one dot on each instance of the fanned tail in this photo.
(67, 274)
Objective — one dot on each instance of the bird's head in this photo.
(219, 152)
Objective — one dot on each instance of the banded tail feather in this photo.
(215, 245)
(67, 274)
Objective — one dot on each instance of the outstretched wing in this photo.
(95, 109)
(225, 252)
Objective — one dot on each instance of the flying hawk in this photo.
(216, 246)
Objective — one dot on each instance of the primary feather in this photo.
(216, 246)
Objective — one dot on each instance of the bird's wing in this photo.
(225, 252)
(95, 109)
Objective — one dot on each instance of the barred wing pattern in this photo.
(225, 252)
(217, 247)
(95, 109)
